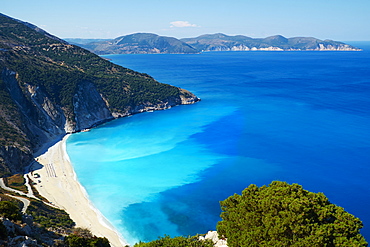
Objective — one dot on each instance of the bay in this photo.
(300, 117)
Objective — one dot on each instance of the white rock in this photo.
(213, 235)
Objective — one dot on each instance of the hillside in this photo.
(222, 42)
(49, 87)
(138, 43)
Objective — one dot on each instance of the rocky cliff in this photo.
(26, 233)
(49, 88)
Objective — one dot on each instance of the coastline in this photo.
(58, 183)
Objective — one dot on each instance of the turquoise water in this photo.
(300, 117)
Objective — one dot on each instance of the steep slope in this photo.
(222, 42)
(49, 87)
(139, 43)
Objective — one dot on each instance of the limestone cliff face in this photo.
(89, 108)
(42, 119)
(49, 117)
(38, 120)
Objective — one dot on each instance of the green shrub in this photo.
(48, 216)
(286, 215)
(177, 241)
(74, 240)
(10, 210)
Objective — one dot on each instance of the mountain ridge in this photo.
(139, 43)
(149, 43)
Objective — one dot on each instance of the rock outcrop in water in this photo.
(49, 88)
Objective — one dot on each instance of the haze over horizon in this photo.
(337, 20)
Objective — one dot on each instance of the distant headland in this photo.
(149, 43)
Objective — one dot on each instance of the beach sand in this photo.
(58, 184)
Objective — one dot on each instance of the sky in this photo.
(342, 20)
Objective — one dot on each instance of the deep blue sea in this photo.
(300, 117)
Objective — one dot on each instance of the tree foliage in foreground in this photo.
(78, 241)
(177, 241)
(82, 237)
(286, 215)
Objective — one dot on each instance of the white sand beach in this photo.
(58, 184)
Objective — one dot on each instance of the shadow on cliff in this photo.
(45, 147)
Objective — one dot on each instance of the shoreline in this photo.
(59, 184)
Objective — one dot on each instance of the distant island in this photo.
(148, 43)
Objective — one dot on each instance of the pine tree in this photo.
(286, 215)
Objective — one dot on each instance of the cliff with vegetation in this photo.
(49, 87)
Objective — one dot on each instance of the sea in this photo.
(300, 117)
